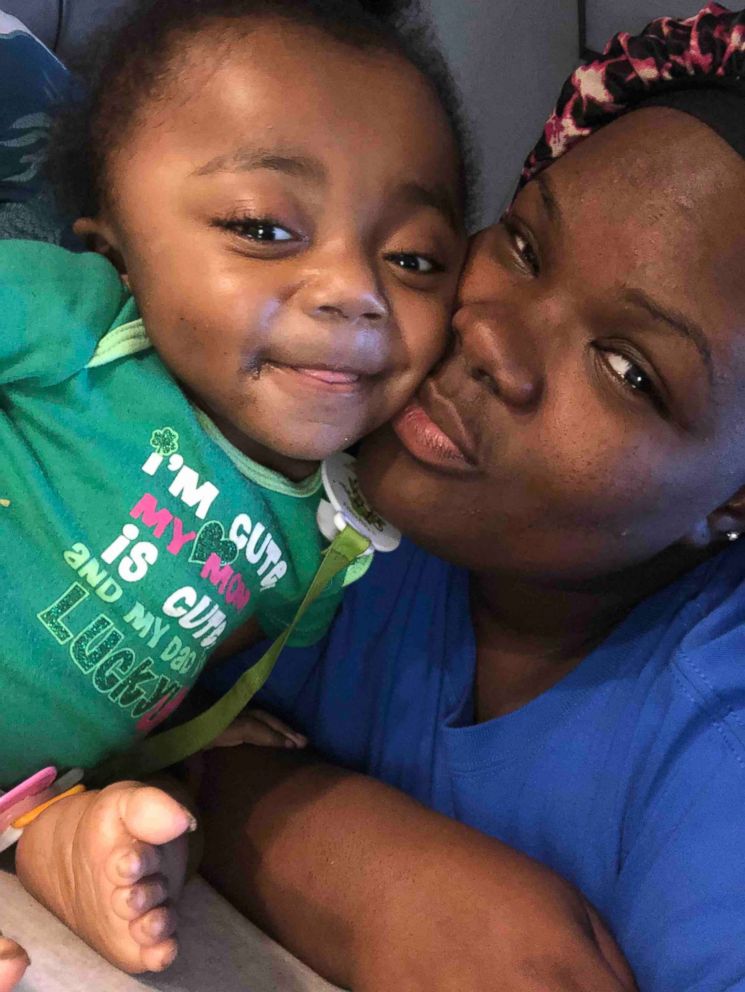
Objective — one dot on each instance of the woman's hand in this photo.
(377, 892)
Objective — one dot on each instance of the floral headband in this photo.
(706, 51)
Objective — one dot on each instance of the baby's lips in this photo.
(331, 376)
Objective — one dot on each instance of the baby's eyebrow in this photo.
(251, 159)
(438, 197)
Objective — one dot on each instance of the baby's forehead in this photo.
(286, 53)
(272, 74)
(260, 96)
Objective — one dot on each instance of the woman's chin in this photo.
(380, 469)
(394, 485)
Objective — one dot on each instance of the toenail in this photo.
(169, 957)
(130, 865)
(191, 818)
(136, 898)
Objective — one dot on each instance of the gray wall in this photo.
(606, 17)
(511, 57)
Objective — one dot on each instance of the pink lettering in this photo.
(179, 539)
(158, 713)
(147, 509)
(228, 582)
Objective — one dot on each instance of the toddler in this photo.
(273, 192)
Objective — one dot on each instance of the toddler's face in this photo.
(289, 221)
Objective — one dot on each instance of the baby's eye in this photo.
(411, 262)
(261, 229)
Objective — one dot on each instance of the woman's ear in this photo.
(97, 235)
(726, 523)
(729, 519)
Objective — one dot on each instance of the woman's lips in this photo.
(428, 442)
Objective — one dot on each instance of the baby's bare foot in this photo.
(13, 963)
(110, 865)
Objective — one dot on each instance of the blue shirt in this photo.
(627, 777)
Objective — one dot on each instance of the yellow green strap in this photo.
(172, 746)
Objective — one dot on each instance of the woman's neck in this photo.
(530, 634)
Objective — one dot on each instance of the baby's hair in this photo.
(128, 64)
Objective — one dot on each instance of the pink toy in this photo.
(25, 796)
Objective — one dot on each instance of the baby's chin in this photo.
(293, 454)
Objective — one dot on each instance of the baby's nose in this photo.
(345, 288)
(371, 310)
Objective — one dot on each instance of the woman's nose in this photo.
(345, 289)
(494, 329)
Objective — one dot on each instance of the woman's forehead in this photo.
(661, 145)
(657, 170)
(655, 203)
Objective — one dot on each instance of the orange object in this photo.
(23, 821)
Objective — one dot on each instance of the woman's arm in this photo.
(376, 892)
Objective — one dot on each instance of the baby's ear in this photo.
(97, 235)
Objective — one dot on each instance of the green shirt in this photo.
(136, 536)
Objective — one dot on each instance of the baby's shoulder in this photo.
(56, 305)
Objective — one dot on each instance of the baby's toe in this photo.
(154, 926)
(127, 865)
(158, 958)
(152, 816)
(13, 963)
(130, 902)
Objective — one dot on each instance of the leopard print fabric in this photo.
(708, 48)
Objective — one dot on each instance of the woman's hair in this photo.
(128, 64)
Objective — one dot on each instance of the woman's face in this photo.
(591, 410)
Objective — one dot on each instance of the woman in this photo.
(569, 453)
(571, 686)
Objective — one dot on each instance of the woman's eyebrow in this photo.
(683, 326)
(550, 200)
(250, 159)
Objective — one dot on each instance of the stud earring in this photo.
(733, 535)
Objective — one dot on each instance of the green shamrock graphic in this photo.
(165, 441)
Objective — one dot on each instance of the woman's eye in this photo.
(630, 373)
(525, 251)
(410, 262)
(520, 244)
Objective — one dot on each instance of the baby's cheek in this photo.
(432, 338)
